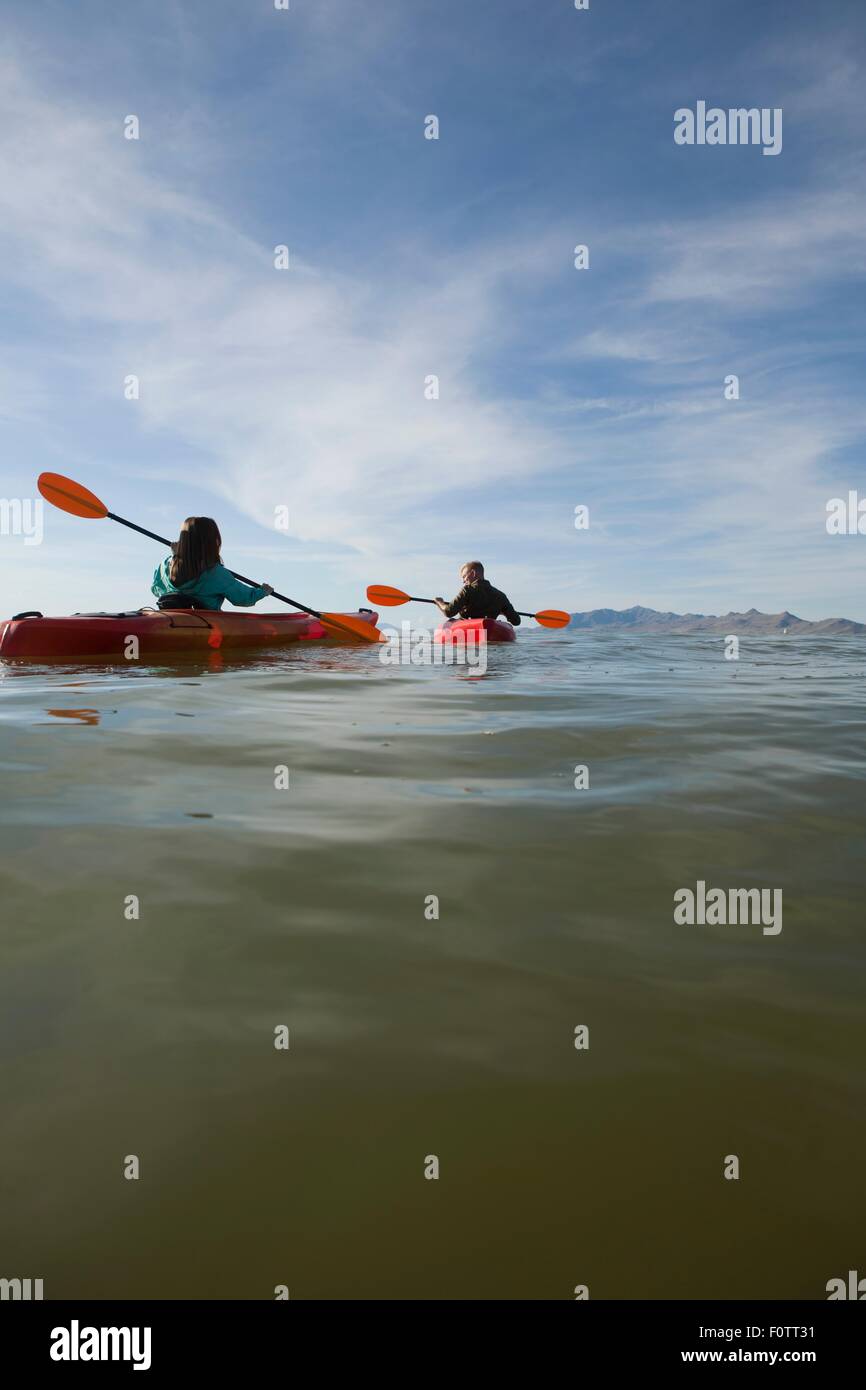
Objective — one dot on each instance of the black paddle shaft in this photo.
(432, 600)
(242, 577)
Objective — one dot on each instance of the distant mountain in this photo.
(760, 624)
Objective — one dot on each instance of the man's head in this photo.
(472, 572)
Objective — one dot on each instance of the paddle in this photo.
(384, 595)
(71, 497)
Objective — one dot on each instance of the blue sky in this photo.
(409, 257)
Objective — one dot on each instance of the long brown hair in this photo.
(198, 549)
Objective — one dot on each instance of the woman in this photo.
(193, 575)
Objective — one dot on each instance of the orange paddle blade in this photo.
(344, 625)
(552, 617)
(385, 597)
(69, 496)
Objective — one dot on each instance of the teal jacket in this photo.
(209, 589)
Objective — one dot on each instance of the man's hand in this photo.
(267, 588)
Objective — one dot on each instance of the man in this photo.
(477, 598)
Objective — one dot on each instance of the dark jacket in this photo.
(481, 600)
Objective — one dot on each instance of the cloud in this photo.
(657, 344)
(781, 252)
(304, 386)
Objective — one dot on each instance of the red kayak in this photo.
(475, 630)
(172, 632)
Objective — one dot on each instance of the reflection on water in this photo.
(452, 1033)
(83, 716)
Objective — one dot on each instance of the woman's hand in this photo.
(267, 588)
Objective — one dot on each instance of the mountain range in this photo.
(760, 624)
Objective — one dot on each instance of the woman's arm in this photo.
(244, 595)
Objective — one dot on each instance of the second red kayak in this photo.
(475, 630)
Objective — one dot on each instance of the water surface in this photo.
(452, 1037)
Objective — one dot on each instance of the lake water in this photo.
(412, 1036)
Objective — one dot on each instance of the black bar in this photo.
(268, 1335)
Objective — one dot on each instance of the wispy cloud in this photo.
(780, 252)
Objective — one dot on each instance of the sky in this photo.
(262, 389)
